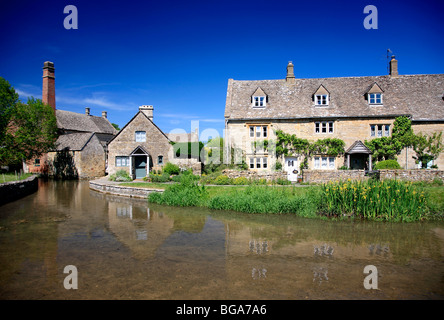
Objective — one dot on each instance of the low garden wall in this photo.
(14, 190)
(428, 175)
(255, 175)
(323, 176)
(117, 190)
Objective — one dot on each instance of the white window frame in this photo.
(324, 127)
(324, 163)
(379, 130)
(260, 131)
(322, 99)
(374, 97)
(259, 101)
(140, 136)
(122, 161)
(258, 163)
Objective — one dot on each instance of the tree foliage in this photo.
(427, 147)
(8, 99)
(31, 131)
(387, 148)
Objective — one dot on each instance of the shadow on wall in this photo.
(63, 166)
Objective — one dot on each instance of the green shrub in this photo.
(240, 181)
(282, 182)
(387, 164)
(222, 180)
(121, 176)
(171, 168)
(164, 177)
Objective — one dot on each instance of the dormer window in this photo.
(321, 97)
(259, 102)
(259, 99)
(374, 95)
(375, 98)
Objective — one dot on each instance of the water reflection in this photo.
(128, 249)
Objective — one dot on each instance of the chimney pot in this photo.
(87, 111)
(104, 114)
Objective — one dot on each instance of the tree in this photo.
(387, 148)
(8, 100)
(31, 131)
(427, 148)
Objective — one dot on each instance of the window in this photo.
(36, 162)
(259, 102)
(324, 163)
(258, 131)
(321, 99)
(122, 161)
(375, 98)
(140, 136)
(380, 130)
(324, 127)
(160, 160)
(258, 163)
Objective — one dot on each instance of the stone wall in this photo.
(255, 175)
(323, 176)
(11, 191)
(427, 175)
(118, 190)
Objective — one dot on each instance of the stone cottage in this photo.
(81, 148)
(353, 109)
(141, 147)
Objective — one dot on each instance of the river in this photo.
(124, 248)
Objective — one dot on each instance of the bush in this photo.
(387, 164)
(164, 177)
(240, 181)
(171, 168)
(222, 179)
(282, 182)
(121, 176)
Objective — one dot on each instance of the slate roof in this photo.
(73, 121)
(73, 141)
(420, 96)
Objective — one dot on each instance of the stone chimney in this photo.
(87, 111)
(104, 114)
(290, 73)
(148, 111)
(393, 67)
(48, 88)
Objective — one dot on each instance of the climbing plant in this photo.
(289, 144)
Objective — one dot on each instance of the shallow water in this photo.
(128, 249)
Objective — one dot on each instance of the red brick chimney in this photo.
(48, 92)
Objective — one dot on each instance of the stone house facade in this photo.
(353, 109)
(141, 147)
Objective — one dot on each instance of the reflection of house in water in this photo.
(141, 229)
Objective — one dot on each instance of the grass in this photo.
(391, 200)
(8, 177)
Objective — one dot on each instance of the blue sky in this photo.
(179, 55)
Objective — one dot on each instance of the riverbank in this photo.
(314, 201)
(16, 189)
